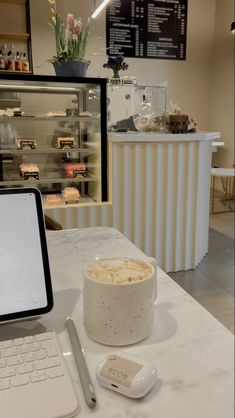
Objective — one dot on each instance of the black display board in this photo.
(147, 28)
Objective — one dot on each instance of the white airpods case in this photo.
(126, 374)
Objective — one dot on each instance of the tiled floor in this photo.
(212, 282)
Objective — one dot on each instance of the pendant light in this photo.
(99, 8)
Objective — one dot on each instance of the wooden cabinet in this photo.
(15, 29)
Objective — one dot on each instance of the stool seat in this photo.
(223, 172)
(226, 176)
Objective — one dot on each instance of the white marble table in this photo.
(192, 351)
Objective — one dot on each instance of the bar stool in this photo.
(227, 180)
(51, 224)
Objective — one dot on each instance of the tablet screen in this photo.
(25, 283)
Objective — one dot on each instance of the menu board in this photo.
(147, 28)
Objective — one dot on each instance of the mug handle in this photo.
(153, 261)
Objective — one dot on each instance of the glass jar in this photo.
(143, 117)
(150, 108)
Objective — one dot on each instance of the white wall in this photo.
(202, 85)
(222, 88)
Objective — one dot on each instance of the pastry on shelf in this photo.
(15, 111)
(71, 195)
(75, 169)
(56, 113)
(64, 142)
(85, 114)
(29, 170)
(26, 143)
(53, 199)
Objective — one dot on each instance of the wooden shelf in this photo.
(15, 72)
(15, 35)
(13, 1)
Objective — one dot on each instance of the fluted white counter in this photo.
(159, 194)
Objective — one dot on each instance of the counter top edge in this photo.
(161, 137)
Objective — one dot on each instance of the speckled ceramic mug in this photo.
(119, 314)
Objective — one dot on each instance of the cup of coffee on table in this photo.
(118, 298)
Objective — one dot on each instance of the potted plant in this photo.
(116, 64)
(71, 43)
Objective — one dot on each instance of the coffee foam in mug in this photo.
(118, 270)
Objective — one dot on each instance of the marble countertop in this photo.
(162, 137)
(191, 350)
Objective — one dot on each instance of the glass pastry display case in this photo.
(53, 134)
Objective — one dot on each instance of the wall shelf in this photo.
(15, 35)
(14, 1)
(15, 28)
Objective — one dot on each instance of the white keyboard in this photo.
(34, 379)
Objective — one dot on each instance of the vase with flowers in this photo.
(71, 43)
(116, 64)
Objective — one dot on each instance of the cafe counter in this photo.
(159, 195)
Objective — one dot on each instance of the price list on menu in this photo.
(147, 28)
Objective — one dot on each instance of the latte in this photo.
(119, 270)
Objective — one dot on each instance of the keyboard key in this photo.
(5, 344)
(55, 372)
(29, 339)
(47, 363)
(4, 384)
(9, 352)
(38, 377)
(20, 380)
(40, 355)
(18, 341)
(50, 348)
(23, 349)
(13, 361)
(35, 347)
(29, 357)
(2, 362)
(25, 368)
(7, 372)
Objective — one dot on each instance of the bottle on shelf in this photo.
(2, 60)
(11, 60)
(18, 61)
(25, 63)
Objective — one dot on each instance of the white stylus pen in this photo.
(87, 386)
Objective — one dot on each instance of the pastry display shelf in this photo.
(12, 181)
(47, 118)
(83, 201)
(50, 150)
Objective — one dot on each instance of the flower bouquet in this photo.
(71, 39)
(117, 64)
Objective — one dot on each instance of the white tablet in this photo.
(25, 281)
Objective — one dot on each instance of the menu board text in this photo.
(147, 28)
